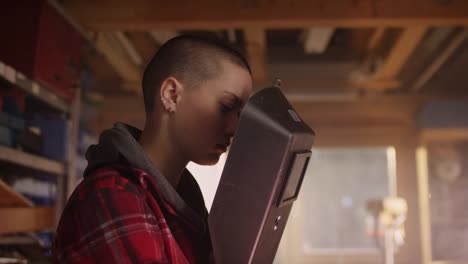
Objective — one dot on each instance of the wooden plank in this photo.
(117, 57)
(255, 40)
(212, 15)
(73, 145)
(363, 122)
(144, 44)
(316, 39)
(31, 161)
(387, 112)
(66, 185)
(448, 262)
(375, 39)
(443, 135)
(99, 64)
(129, 48)
(386, 76)
(440, 60)
(161, 36)
(342, 96)
(26, 219)
(358, 39)
(377, 84)
(400, 53)
(362, 112)
(11, 198)
(22, 239)
(358, 136)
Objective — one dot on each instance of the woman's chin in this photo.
(209, 160)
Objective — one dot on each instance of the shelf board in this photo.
(11, 198)
(31, 161)
(10, 75)
(444, 134)
(20, 239)
(16, 220)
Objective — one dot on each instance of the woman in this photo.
(137, 202)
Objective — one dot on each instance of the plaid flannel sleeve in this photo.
(111, 224)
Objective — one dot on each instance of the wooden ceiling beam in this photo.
(375, 39)
(255, 42)
(351, 117)
(440, 60)
(212, 15)
(429, 135)
(161, 36)
(129, 48)
(316, 39)
(363, 111)
(360, 136)
(385, 75)
(118, 59)
(144, 44)
(401, 51)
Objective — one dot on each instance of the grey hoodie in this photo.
(119, 145)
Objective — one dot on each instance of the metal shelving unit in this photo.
(40, 218)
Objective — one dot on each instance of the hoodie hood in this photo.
(121, 142)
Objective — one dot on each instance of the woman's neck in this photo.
(156, 143)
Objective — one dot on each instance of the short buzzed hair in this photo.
(191, 60)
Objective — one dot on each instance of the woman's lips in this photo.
(222, 147)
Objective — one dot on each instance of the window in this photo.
(331, 212)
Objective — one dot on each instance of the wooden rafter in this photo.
(444, 135)
(117, 57)
(144, 44)
(440, 60)
(316, 39)
(375, 39)
(161, 36)
(385, 75)
(255, 40)
(212, 14)
(129, 48)
(406, 44)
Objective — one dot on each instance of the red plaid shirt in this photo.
(114, 218)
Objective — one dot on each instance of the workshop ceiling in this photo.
(322, 49)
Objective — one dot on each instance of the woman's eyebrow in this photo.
(236, 98)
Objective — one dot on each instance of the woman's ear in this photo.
(171, 93)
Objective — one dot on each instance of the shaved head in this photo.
(191, 60)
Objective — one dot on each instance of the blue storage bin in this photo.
(55, 132)
(12, 126)
(41, 192)
(17, 123)
(46, 239)
(10, 106)
(41, 200)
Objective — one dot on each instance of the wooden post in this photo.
(72, 150)
(407, 188)
(66, 183)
